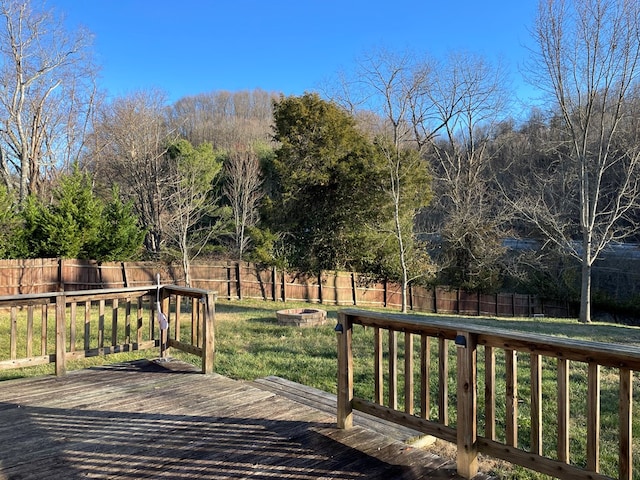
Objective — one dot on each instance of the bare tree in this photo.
(190, 212)
(587, 61)
(243, 189)
(468, 96)
(391, 85)
(443, 111)
(47, 91)
(127, 148)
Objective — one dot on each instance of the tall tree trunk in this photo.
(585, 289)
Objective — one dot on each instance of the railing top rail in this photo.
(606, 354)
(50, 297)
(187, 291)
(76, 293)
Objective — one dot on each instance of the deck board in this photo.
(159, 420)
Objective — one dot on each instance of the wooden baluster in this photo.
(72, 327)
(127, 322)
(176, 331)
(101, 324)
(511, 367)
(194, 321)
(30, 310)
(393, 369)
(61, 331)
(114, 321)
(87, 325)
(378, 371)
(593, 418)
(408, 373)
(425, 363)
(490, 393)
(13, 348)
(443, 384)
(626, 433)
(563, 410)
(43, 329)
(139, 320)
(536, 404)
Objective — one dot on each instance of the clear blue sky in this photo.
(185, 47)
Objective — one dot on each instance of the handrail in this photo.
(132, 326)
(471, 340)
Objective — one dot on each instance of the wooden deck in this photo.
(163, 420)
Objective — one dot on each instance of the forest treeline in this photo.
(408, 167)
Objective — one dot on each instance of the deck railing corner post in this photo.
(467, 440)
(345, 371)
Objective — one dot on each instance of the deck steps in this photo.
(327, 403)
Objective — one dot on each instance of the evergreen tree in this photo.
(327, 185)
(77, 224)
(120, 237)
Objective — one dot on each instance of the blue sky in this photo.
(193, 46)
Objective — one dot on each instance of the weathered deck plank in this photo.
(149, 420)
(327, 403)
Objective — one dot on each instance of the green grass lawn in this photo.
(250, 344)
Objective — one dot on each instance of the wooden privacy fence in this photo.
(242, 280)
(523, 398)
(37, 329)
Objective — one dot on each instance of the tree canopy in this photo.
(329, 185)
(78, 224)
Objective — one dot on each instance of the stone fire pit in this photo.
(301, 317)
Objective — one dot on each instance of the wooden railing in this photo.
(38, 329)
(524, 420)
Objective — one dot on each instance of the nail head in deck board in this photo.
(150, 419)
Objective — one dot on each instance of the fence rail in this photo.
(60, 326)
(499, 391)
(241, 280)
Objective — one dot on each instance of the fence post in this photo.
(345, 371)
(208, 345)
(238, 281)
(410, 296)
(354, 291)
(467, 458)
(435, 300)
(61, 334)
(274, 284)
(284, 286)
(125, 279)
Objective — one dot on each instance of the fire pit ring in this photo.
(301, 317)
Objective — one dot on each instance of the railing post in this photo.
(208, 345)
(61, 334)
(344, 330)
(467, 458)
